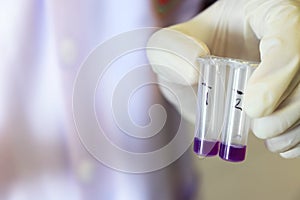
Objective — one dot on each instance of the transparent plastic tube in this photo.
(236, 122)
(211, 95)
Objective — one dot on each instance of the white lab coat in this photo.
(42, 44)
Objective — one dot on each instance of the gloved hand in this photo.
(257, 30)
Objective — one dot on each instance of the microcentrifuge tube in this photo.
(236, 123)
(211, 95)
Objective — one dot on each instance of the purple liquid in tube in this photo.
(205, 147)
(232, 153)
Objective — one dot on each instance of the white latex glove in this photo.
(257, 30)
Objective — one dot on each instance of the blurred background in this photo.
(42, 45)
